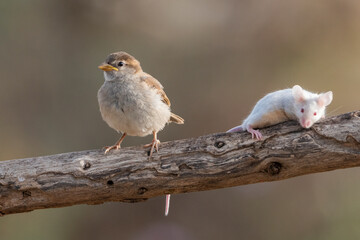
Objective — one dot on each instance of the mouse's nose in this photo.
(305, 123)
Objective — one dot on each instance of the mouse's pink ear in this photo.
(325, 99)
(298, 93)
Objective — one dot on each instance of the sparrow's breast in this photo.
(132, 107)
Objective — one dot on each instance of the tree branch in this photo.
(208, 162)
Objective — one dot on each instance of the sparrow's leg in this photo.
(254, 132)
(154, 144)
(116, 145)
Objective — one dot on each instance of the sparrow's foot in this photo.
(107, 149)
(254, 133)
(116, 145)
(154, 144)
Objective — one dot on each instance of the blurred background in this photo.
(215, 60)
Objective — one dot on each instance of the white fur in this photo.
(130, 105)
(286, 105)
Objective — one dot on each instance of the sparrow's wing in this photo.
(152, 82)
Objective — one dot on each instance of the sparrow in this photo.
(133, 102)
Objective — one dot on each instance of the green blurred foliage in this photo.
(215, 60)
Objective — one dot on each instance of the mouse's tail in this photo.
(167, 204)
(239, 128)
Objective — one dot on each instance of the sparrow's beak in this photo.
(107, 67)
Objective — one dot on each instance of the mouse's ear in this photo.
(298, 93)
(325, 99)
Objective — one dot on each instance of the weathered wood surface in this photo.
(208, 162)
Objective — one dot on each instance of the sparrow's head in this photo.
(119, 64)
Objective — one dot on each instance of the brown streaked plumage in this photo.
(133, 102)
(128, 100)
(152, 82)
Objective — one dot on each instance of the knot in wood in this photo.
(85, 164)
(348, 116)
(26, 193)
(142, 190)
(274, 168)
(219, 144)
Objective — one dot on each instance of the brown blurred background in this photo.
(215, 60)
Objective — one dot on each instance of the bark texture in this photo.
(208, 162)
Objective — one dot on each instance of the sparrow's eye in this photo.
(120, 64)
(302, 110)
(314, 113)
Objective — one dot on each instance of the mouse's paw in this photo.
(254, 133)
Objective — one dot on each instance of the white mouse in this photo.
(287, 104)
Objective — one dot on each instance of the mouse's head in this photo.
(310, 107)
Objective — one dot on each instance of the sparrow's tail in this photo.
(176, 119)
(167, 204)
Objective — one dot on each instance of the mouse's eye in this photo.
(120, 64)
(315, 113)
(302, 110)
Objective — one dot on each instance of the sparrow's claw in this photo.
(116, 145)
(107, 149)
(154, 145)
